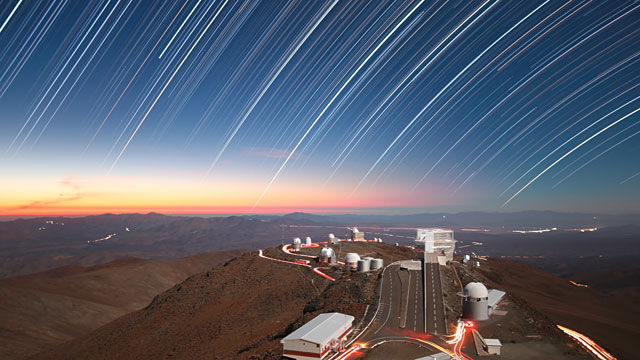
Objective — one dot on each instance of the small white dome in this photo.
(352, 258)
(476, 290)
(326, 252)
(297, 241)
(331, 236)
(355, 230)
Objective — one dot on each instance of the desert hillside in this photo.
(41, 310)
(609, 320)
(236, 311)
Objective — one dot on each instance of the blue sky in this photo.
(293, 105)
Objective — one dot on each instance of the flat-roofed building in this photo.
(356, 235)
(436, 241)
(318, 338)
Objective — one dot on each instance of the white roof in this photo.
(435, 230)
(492, 342)
(495, 296)
(351, 258)
(327, 251)
(322, 328)
(476, 290)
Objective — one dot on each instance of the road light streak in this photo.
(588, 344)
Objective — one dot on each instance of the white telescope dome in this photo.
(326, 252)
(476, 290)
(352, 258)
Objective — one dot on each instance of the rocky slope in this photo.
(239, 311)
(41, 310)
(610, 321)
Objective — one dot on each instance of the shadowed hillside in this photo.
(236, 311)
(40, 310)
(610, 321)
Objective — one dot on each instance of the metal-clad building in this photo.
(364, 265)
(317, 338)
(436, 241)
(377, 264)
(351, 261)
(356, 235)
(327, 255)
(297, 244)
(333, 239)
(475, 302)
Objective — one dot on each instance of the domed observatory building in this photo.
(333, 239)
(327, 255)
(475, 302)
(297, 244)
(351, 261)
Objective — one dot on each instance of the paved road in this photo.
(398, 308)
(401, 316)
(415, 310)
(433, 299)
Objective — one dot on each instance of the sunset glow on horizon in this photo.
(324, 106)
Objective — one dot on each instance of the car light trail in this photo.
(587, 343)
(315, 269)
(576, 284)
(349, 352)
(456, 354)
(286, 249)
(458, 335)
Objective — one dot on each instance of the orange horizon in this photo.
(223, 210)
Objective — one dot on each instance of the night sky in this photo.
(325, 106)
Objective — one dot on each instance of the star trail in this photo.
(258, 106)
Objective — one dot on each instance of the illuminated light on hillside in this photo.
(351, 351)
(587, 343)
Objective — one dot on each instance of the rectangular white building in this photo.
(317, 338)
(436, 241)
